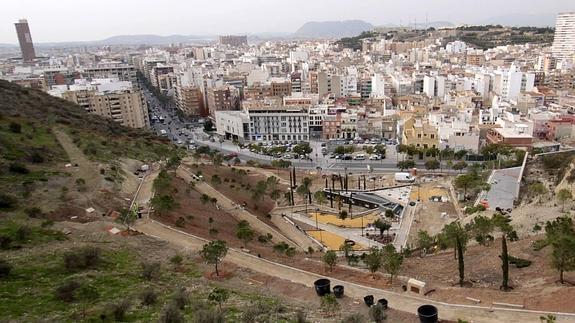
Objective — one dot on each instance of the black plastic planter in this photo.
(368, 300)
(322, 286)
(383, 302)
(338, 291)
(427, 314)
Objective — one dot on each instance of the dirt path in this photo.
(86, 169)
(401, 302)
(235, 210)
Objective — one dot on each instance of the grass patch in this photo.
(115, 278)
(28, 235)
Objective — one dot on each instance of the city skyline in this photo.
(51, 24)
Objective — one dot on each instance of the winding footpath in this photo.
(398, 301)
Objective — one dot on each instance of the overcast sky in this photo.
(75, 20)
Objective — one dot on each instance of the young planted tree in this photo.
(218, 296)
(405, 164)
(482, 227)
(259, 191)
(373, 259)
(459, 166)
(563, 196)
(128, 216)
(455, 236)
(504, 264)
(319, 197)
(329, 304)
(382, 226)
(304, 191)
(392, 261)
(563, 255)
(347, 249)
(330, 259)
(424, 241)
(432, 164)
(460, 263)
(245, 233)
(213, 252)
(163, 203)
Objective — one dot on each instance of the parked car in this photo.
(359, 157)
(347, 157)
(375, 157)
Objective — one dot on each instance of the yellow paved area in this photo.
(331, 240)
(427, 192)
(330, 218)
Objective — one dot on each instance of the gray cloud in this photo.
(72, 20)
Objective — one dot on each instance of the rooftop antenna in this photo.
(415, 24)
(426, 22)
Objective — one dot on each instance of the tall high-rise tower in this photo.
(564, 42)
(25, 40)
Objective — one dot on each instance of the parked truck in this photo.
(404, 178)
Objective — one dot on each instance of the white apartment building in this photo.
(110, 98)
(264, 123)
(455, 132)
(434, 86)
(508, 83)
(564, 42)
(377, 86)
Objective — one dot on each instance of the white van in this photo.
(404, 178)
(359, 157)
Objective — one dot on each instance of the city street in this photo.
(177, 132)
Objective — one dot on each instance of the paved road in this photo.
(399, 301)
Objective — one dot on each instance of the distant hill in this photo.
(332, 29)
(519, 20)
(434, 24)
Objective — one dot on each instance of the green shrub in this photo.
(18, 168)
(540, 244)
(84, 258)
(15, 127)
(180, 222)
(181, 298)
(5, 242)
(519, 263)
(5, 268)
(171, 314)
(149, 297)
(151, 270)
(177, 259)
(36, 157)
(7, 202)
(23, 233)
(33, 212)
(119, 310)
(67, 290)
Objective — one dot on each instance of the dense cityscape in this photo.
(427, 168)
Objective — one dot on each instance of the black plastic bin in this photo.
(322, 286)
(338, 291)
(427, 314)
(383, 302)
(368, 300)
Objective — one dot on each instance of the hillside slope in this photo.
(56, 156)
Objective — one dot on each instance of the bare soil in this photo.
(535, 286)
